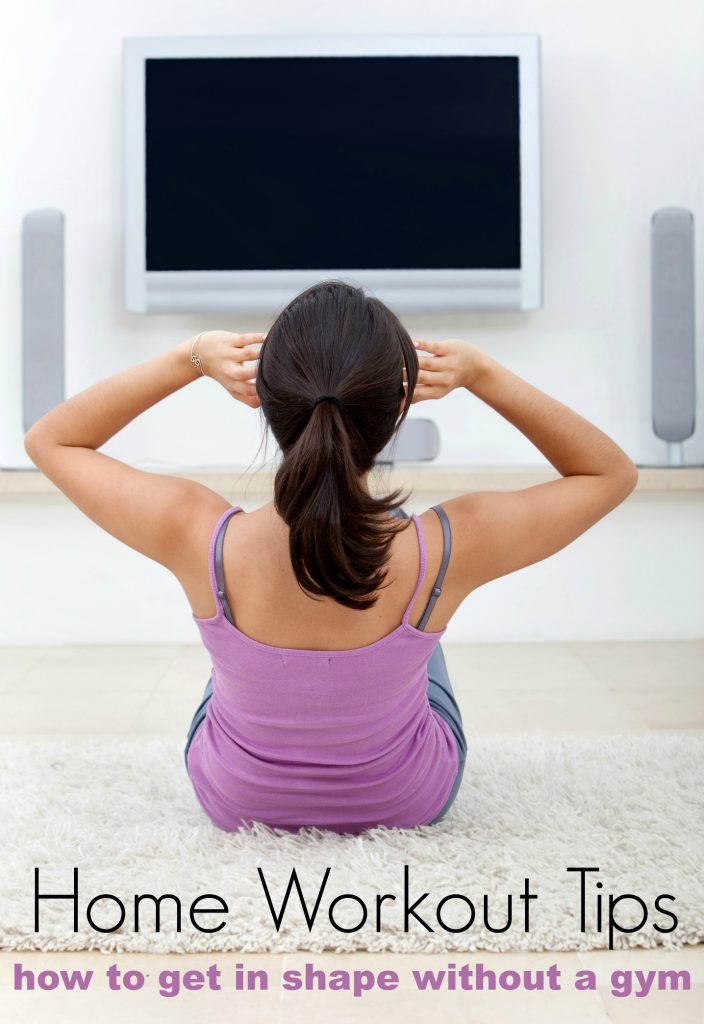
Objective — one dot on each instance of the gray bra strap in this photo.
(220, 572)
(446, 547)
(435, 593)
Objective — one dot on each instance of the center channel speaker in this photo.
(417, 440)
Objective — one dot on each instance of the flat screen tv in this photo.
(258, 165)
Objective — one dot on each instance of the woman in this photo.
(329, 702)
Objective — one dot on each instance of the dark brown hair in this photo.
(332, 339)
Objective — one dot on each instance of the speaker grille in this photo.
(42, 313)
(672, 271)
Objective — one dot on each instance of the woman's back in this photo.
(344, 737)
(268, 604)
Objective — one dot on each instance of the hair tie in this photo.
(327, 398)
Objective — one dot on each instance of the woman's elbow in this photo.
(633, 477)
(35, 444)
(628, 480)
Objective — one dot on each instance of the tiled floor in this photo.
(138, 691)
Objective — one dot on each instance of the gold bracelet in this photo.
(195, 359)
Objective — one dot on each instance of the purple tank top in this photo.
(343, 740)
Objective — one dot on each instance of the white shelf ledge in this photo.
(240, 483)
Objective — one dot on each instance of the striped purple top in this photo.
(343, 740)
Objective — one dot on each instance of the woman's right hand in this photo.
(230, 359)
(446, 365)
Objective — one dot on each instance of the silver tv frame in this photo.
(257, 291)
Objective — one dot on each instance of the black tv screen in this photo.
(390, 162)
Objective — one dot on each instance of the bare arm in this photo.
(497, 532)
(149, 512)
(572, 444)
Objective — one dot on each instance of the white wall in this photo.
(629, 578)
(623, 85)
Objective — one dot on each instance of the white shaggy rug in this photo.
(530, 806)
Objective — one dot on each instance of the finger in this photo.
(427, 363)
(427, 380)
(242, 341)
(248, 352)
(437, 380)
(252, 401)
(242, 371)
(251, 351)
(431, 347)
(425, 391)
(243, 387)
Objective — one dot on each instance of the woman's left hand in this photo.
(231, 360)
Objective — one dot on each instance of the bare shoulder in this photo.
(498, 532)
(193, 528)
(199, 511)
(153, 513)
(453, 588)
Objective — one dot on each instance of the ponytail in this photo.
(338, 539)
(339, 534)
